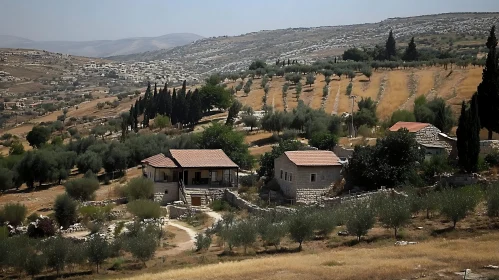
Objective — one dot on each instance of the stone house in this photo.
(430, 138)
(313, 171)
(190, 175)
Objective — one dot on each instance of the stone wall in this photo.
(309, 196)
(120, 200)
(342, 152)
(176, 211)
(235, 200)
(488, 146)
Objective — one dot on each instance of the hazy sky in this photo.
(80, 20)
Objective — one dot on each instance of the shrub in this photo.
(394, 213)
(271, 233)
(44, 228)
(248, 181)
(203, 242)
(56, 250)
(99, 213)
(300, 226)
(436, 165)
(456, 204)
(33, 217)
(324, 222)
(77, 254)
(243, 233)
(139, 188)
(65, 210)
(14, 213)
(35, 263)
(142, 247)
(220, 205)
(6, 179)
(82, 188)
(492, 159)
(429, 203)
(492, 195)
(89, 161)
(289, 134)
(144, 209)
(361, 219)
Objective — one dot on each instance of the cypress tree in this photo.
(174, 117)
(463, 138)
(474, 134)
(196, 108)
(168, 104)
(488, 89)
(180, 106)
(391, 50)
(411, 53)
(136, 117)
(187, 111)
(140, 106)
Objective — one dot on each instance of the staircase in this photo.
(206, 196)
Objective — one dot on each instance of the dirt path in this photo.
(336, 102)
(182, 246)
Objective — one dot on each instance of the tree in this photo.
(144, 209)
(214, 96)
(488, 89)
(394, 213)
(115, 158)
(234, 110)
(203, 241)
(231, 142)
(349, 88)
(138, 188)
(411, 54)
(161, 121)
(310, 79)
(38, 136)
(360, 219)
(468, 137)
(97, 250)
(456, 204)
(56, 251)
(257, 64)
(351, 75)
(89, 161)
(247, 86)
(368, 72)
(244, 234)
(300, 226)
(196, 108)
(65, 210)
(143, 246)
(16, 148)
(14, 213)
(6, 179)
(402, 116)
(391, 49)
(323, 141)
(251, 121)
(271, 233)
(355, 55)
(325, 91)
(35, 263)
(298, 89)
(82, 188)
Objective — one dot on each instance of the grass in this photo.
(387, 262)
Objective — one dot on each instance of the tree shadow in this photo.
(437, 232)
(364, 80)
(64, 275)
(282, 250)
(308, 90)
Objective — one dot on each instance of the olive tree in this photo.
(301, 226)
(394, 213)
(97, 251)
(65, 210)
(361, 219)
(456, 204)
(142, 246)
(82, 188)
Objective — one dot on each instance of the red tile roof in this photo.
(313, 158)
(159, 161)
(202, 158)
(411, 126)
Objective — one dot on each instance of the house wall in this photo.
(429, 135)
(158, 174)
(165, 192)
(325, 176)
(221, 174)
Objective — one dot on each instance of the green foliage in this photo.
(411, 53)
(243, 233)
(96, 213)
(436, 112)
(6, 179)
(324, 222)
(323, 141)
(492, 197)
(257, 64)
(349, 88)
(38, 136)
(436, 165)
(220, 205)
(56, 251)
(492, 159)
(14, 213)
(276, 121)
(82, 189)
(144, 209)
(402, 116)
(391, 49)
(234, 110)
(456, 204)
(390, 162)
(161, 121)
(355, 55)
(138, 188)
(142, 246)
(16, 148)
(97, 251)
(301, 226)
(468, 137)
(267, 159)
(35, 263)
(44, 228)
(65, 210)
(203, 242)
(310, 79)
(230, 141)
(271, 232)
(394, 213)
(360, 219)
(251, 121)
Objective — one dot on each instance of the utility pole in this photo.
(353, 102)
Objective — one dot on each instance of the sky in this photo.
(81, 20)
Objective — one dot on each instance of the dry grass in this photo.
(435, 259)
(396, 93)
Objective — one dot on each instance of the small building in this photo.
(430, 138)
(311, 170)
(190, 175)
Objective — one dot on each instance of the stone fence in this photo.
(235, 200)
(488, 146)
(120, 200)
(179, 211)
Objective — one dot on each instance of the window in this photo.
(291, 177)
(285, 176)
(313, 177)
(281, 173)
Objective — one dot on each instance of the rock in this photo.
(419, 228)
(404, 243)
(343, 233)
(491, 266)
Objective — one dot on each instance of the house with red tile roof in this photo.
(429, 137)
(189, 174)
(306, 173)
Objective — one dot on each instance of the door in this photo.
(195, 200)
(186, 177)
(197, 177)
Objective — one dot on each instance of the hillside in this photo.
(393, 89)
(102, 48)
(227, 53)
